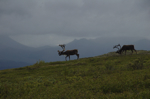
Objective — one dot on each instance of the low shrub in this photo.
(108, 66)
(136, 64)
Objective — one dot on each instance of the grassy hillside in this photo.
(107, 76)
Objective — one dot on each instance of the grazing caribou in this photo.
(125, 48)
(68, 53)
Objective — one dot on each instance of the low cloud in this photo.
(75, 19)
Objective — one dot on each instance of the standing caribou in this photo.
(125, 48)
(68, 52)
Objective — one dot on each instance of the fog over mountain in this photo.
(49, 22)
(14, 54)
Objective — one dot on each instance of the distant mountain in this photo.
(143, 44)
(6, 42)
(16, 54)
(6, 64)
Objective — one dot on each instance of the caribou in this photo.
(68, 52)
(125, 48)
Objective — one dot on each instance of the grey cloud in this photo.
(78, 18)
(144, 4)
(16, 7)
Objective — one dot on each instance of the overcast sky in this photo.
(51, 22)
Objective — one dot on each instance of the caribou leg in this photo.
(69, 57)
(77, 56)
(122, 51)
(132, 51)
(66, 58)
(125, 52)
(135, 51)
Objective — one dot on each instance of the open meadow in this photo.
(108, 76)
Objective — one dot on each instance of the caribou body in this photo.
(68, 53)
(125, 48)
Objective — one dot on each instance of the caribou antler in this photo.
(119, 45)
(62, 46)
(116, 46)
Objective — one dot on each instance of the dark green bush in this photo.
(137, 64)
(108, 66)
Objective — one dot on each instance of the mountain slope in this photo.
(110, 76)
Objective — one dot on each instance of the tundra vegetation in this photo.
(109, 76)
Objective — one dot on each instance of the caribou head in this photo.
(60, 52)
(117, 46)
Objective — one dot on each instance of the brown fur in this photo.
(125, 48)
(68, 53)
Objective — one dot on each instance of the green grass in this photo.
(109, 76)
